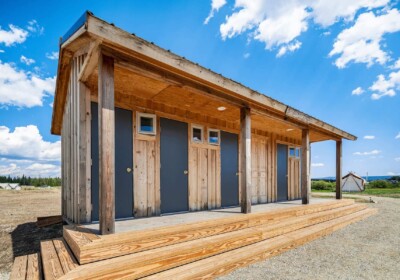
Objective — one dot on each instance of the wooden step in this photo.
(224, 263)
(57, 258)
(152, 261)
(26, 267)
(89, 247)
(49, 220)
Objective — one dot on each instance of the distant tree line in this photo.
(32, 181)
(330, 185)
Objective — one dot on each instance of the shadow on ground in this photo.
(26, 237)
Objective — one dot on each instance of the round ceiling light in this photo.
(222, 108)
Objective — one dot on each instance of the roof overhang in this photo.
(92, 29)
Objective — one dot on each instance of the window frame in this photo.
(219, 136)
(196, 126)
(139, 115)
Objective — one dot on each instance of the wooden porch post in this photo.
(106, 145)
(245, 160)
(305, 167)
(339, 169)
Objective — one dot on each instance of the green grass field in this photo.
(392, 192)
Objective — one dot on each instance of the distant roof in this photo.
(354, 175)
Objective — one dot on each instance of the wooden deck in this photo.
(197, 250)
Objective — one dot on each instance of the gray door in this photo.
(123, 160)
(282, 170)
(174, 164)
(229, 169)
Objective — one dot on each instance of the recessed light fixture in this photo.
(289, 129)
(222, 108)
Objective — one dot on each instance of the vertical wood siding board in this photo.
(209, 180)
(245, 124)
(204, 178)
(150, 178)
(218, 178)
(88, 179)
(305, 170)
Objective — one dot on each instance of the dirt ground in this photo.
(369, 249)
(19, 234)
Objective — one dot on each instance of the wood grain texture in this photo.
(52, 268)
(305, 167)
(245, 159)
(34, 267)
(224, 263)
(18, 270)
(106, 145)
(105, 247)
(49, 220)
(67, 260)
(339, 169)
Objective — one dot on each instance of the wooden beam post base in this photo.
(245, 160)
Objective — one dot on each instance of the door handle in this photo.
(185, 172)
(129, 170)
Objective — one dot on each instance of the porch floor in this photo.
(136, 224)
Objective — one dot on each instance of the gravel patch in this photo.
(368, 249)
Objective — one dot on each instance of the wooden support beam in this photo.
(91, 62)
(245, 159)
(106, 145)
(305, 166)
(339, 169)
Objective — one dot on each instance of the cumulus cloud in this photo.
(52, 55)
(279, 23)
(23, 89)
(27, 61)
(371, 153)
(317, 164)
(369, 137)
(397, 136)
(357, 91)
(291, 47)
(34, 27)
(385, 86)
(215, 6)
(16, 168)
(14, 35)
(26, 142)
(361, 43)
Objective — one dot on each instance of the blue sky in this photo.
(338, 62)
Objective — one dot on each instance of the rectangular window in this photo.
(298, 152)
(292, 152)
(146, 123)
(213, 136)
(197, 133)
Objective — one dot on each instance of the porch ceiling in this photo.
(136, 91)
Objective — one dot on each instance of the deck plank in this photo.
(67, 260)
(52, 268)
(19, 268)
(34, 269)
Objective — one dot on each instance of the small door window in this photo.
(197, 134)
(146, 123)
(292, 152)
(213, 136)
(297, 152)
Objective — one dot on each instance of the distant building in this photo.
(10, 186)
(353, 183)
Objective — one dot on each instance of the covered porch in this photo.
(108, 77)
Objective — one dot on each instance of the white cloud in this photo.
(13, 36)
(396, 65)
(26, 142)
(318, 164)
(397, 136)
(357, 91)
(393, 174)
(373, 152)
(1, 51)
(327, 12)
(369, 137)
(34, 27)
(27, 61)
(397, 159)
(16, 168)
(215, 6)
(246, 55)
(52, 55)
(361, 43)
(385, 86)
(23, 89)
(291, 47)
(279, 23)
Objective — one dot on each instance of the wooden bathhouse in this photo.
(147, 133)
